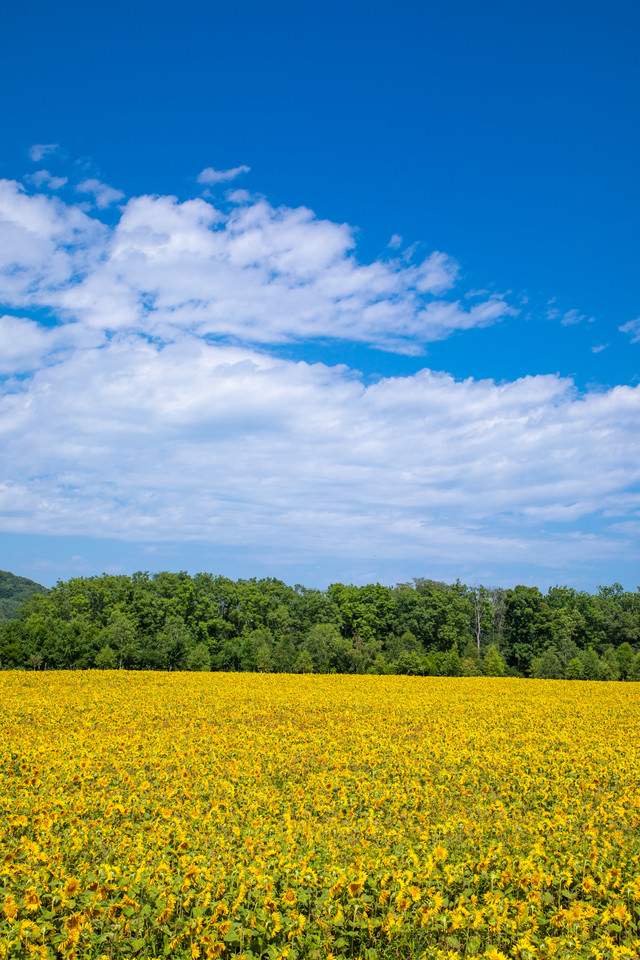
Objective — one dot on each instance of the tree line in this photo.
(175, 621)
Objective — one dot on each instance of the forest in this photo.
(14, 591)
(176, 621)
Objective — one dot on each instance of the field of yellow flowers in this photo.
(236, 815)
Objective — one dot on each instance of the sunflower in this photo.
(71, 887)
(10, 908)
(31, 900)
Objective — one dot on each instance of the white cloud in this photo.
(437, 273)
(26, 345)
(42, 178)
(256, 273)
(23, 344)
(632, 327)
(192, 441)
(122, 419)
(599, 348)
(40, 150)
(45, 246)
(569, 318)
(102, 193)
(209, 176)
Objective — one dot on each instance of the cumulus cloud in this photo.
(253, 272)
(26, 345)
(209, 176)
(102, 193)
(146, 407)
(45, 247)
(23, 344)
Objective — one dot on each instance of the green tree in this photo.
(482, 619)
(528, 626)
(574, 669)
(625, 656)
(263, 656)
(548, 666)
(366, 612)
(407, 664)
(396, 646)
(381, 666)
(364, 652)
(634, 671)
(431, 664)
(303, 662)
(591, 666)
(452, 664)
(14, 591)
(493, 665)
(253, 646)
(470, 667)
(171, 645)
(284, 655)
(321, 643)
(106, 658)
(610, 665)
(120, 635)
(198, 658)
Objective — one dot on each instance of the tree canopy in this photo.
(14, 591)
(175, 621)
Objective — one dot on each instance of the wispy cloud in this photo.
(209, 176)
(102, 193)
(568, 318)
(42, 178)
(633, 328)
(40, 150)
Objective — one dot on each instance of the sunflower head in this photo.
(71, 887)
(31, 900)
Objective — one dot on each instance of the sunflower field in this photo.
(266, 816)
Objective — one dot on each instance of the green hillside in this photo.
(14, 591)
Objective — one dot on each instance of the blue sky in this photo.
(323, 291)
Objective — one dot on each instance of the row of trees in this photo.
(174, 621)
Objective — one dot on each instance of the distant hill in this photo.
(14, 591)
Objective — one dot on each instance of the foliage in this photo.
(173, 621)
(14, 591)
(493, 664)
